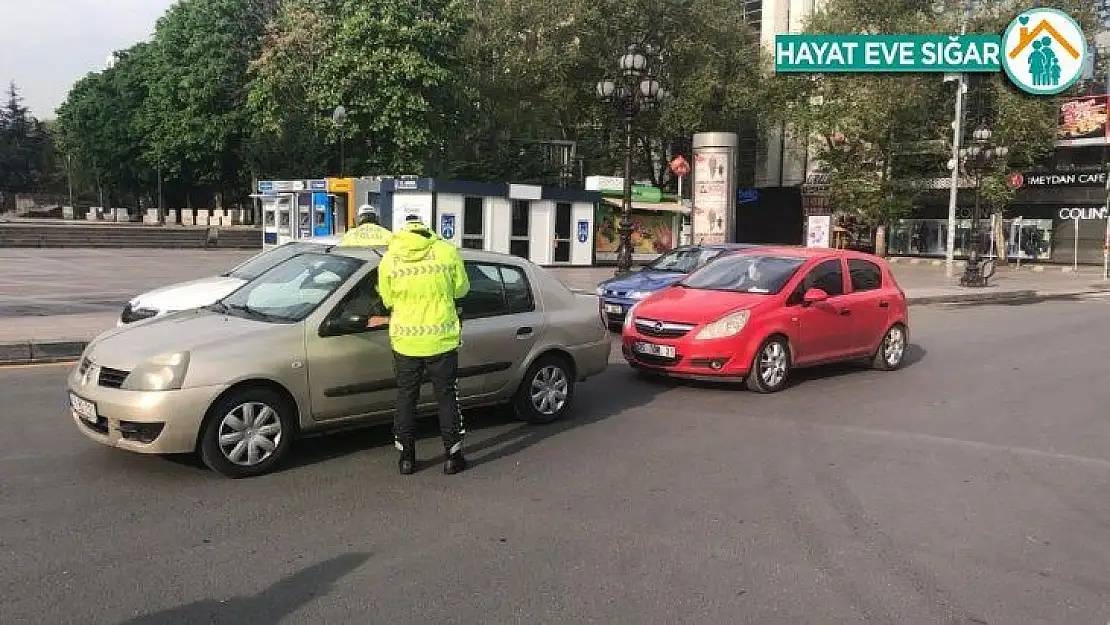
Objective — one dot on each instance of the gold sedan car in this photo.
(289, 353)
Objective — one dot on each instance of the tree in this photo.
(24, 146)
(536, 64)
(860, 123)
(395, 65)
(99, 126)
(287, 100)
(195, 118)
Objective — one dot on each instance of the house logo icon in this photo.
(1044, 51)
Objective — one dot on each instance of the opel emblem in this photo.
(658, 325)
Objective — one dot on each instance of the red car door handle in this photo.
(844, 312)
(884, 304)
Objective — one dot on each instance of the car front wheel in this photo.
(770, 367)
(247, 433)
(546, 391)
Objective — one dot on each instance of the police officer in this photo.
(368, 232)
(419, 279)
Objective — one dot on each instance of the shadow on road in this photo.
(269, 606)
(594, 401)
(914, 354)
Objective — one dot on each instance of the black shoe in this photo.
(407, 463)
(456, 463)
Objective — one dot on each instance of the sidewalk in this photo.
(59, 337)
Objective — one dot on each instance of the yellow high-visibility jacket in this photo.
(419, 279)
(366, 235)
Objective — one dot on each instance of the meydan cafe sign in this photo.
(1043, 52)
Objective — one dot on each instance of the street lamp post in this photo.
(339, 117)
(978, 158)
(633, 90)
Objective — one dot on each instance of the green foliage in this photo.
(24, 146)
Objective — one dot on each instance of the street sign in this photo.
(680, 166)
(1016, 181)
(447, 226)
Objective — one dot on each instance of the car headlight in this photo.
(729, 325)
(630, 315)
(638, 294)
(164, 372)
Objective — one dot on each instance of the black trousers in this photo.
(442, 371)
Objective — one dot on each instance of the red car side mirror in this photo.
(815, 296)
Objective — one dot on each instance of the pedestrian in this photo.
(368, 232)
(419, 280)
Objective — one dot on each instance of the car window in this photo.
(683, 259)
(745, 273)
(496, 290)
(260, 263)
(487, 292)
(518, 293)
(865, 275)
(363, 300)
(828, 276)
(290, 291)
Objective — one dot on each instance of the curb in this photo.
(40, 352)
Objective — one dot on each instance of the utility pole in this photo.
(957, 139)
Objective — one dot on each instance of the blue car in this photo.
(620, 293)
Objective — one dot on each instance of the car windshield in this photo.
(261, 263)
(683, 260)
(290, 291)
(745, 273)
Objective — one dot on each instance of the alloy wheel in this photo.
(772, 364)
(250, 433)
(894, 347)
(550, 389)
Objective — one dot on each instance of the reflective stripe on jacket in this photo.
(419, 279)
(366, 235)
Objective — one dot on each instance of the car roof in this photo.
(800, 251)
(377, 251)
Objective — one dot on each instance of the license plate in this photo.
(83, 408)
(666, 351)
(614, 309)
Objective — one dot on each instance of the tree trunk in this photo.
(880, 241)
(999, 234)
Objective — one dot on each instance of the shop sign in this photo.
(1083, 121)
(1058, 179)
(1083, 213)
(744, 196)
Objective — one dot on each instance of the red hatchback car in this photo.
(755, 314)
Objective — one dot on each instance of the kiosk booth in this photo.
(303, 209)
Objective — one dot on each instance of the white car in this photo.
(205, 291)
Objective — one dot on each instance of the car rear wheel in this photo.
(770, 366)
(892, 350)
(546, 391)
(247, 433)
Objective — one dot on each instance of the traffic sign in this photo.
(680, 166)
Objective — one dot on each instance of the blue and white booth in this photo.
(547, 225)
(298, 209)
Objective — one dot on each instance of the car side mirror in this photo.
(814, 296)
(347, 324)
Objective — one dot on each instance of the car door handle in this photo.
(523, 333)
(884, 304)
(844, 312)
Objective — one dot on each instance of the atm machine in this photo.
(293, 210)
(277, 219)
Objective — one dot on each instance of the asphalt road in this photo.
(969, 487)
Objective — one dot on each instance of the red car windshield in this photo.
(745, 273)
